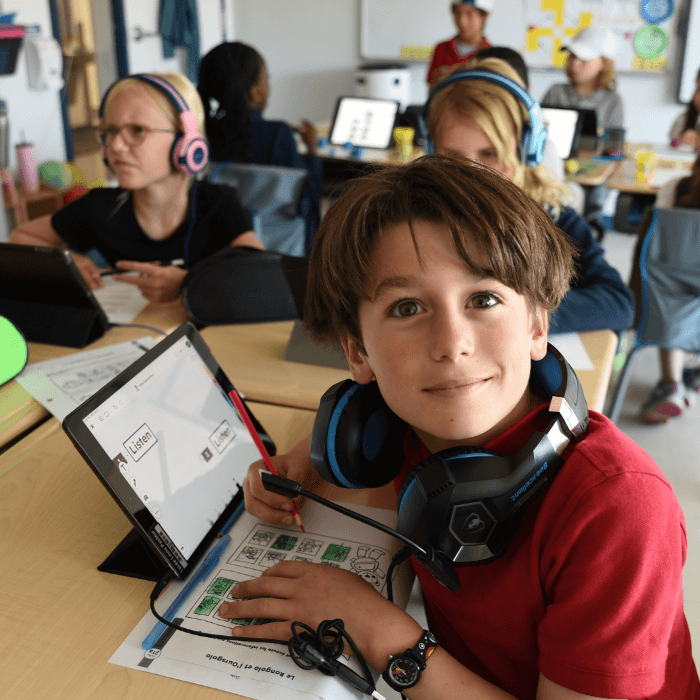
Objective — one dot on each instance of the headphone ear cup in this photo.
(189, 156)
(357, 441)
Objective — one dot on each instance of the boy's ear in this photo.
(540, 329)
(360, 368)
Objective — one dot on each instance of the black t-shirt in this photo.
(104, 219)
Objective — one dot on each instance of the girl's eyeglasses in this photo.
(133, 134)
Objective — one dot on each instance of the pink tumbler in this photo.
(27, 167)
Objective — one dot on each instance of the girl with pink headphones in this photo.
(160, 219)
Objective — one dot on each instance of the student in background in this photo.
(469, 17)
(686, 129)
(679, 386)
(234, 87)
(591, 86)
(159, 213)
(437, 278)
(485, 121)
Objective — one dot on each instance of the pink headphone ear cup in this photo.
(189, 156)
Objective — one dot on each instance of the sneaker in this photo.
(668, 400)
(691, 379)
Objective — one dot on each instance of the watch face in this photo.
(403, 672)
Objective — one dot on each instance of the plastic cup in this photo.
(27, 167)
(645, 162)
(403, 135)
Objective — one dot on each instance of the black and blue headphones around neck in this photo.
(465, 503)
(189, 153)
(534, 132)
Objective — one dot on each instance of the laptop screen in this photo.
(363, 121)
(170, 446)
(564, 128)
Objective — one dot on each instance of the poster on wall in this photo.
(641, 45)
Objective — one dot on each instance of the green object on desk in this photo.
(13, 351)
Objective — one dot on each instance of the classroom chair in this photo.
(272, 195)
(243, 285)
(666, 281)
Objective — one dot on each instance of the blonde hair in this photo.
(501, 116)
(181, 83)
(607, 80)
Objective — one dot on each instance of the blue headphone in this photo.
(534, 133)
(189, 152)
(464, 504)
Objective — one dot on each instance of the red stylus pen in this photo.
(233, 395)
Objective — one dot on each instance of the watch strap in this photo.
(424, 648)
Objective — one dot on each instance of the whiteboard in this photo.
(691, 55)
(410, 29)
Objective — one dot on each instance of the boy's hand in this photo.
(89, 271)
(157, 283)
(296, 591)
(271, 507)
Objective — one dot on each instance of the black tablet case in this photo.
(44, 295)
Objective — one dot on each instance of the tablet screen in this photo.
(364, 121)
(171, 447)
(562, 125)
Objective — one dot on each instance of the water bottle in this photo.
(4, 136)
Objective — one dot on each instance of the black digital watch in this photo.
(404, 670)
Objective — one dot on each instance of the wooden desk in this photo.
(19, 411)
(252, 355)
(62, 619)
(594, 172)
(625, 178)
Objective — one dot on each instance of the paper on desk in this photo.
(260, 670)
(573, 349)
(664, 175)
(61, 385)
(121, 302)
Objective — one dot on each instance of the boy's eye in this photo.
(483, 300)
(405, 309)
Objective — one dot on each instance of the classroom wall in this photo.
(312, 51)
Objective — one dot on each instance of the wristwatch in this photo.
(404, 670)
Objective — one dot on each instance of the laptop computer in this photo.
(301, 347)
(589, 130)
(45, 296)
(564, 129)
(363, 121)
(166, 442)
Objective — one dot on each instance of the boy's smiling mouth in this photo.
(455, 386)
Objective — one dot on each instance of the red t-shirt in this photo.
(589, 592)
(446, 54)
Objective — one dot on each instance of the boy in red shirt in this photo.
(438, 279)
(469, 17)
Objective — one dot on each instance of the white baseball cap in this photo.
(484, 5)
(592, 42)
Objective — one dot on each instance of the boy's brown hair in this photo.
(482, 211)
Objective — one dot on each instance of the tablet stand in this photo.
(133, 557)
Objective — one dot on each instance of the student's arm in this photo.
(248, 239)
(598, 297)
(40, 232)
(311, 593)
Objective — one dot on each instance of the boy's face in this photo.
(460, 135)
(451, 352)
(469, 22)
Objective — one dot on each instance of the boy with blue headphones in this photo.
(438, 278)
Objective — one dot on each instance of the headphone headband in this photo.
(189, 153)
(534, 132)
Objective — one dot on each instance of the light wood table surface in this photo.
(19, 411)
(62, 619)
(594, 172)
(252, 356)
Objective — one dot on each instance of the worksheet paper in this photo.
(61, 385)
(571, 346)
(122, 302)
(260, 670)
